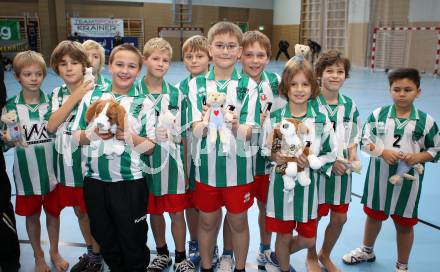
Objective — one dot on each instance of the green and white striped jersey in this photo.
(69, 166)
(213, 167)
(344, 116)
(418, 133)
(129, 165)
(102, 82)
(166, 173)
(268, 93)
(33, 165)
(183, 86)
(304, 204)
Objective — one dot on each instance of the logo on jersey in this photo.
(36, 133)
(263, 97)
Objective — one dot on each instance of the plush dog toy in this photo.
(13, 131)
(216, 119)
(287, 139)
(402, 172)
(167, 120)
(107, 116)
(354, 166)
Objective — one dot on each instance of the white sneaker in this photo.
(261, 258)
(402, 270)
(358, 256)
(226, 264)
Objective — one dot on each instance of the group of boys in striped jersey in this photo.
(55, 166)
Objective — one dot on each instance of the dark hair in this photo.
(73, 49)
(402, 73)
(330, 57)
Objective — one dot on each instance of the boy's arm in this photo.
(81, 133)
(431, 146)
(59, 115)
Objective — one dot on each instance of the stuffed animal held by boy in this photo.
(287, 139)
(167, 120)
(88, 75)
(13, 131)
(353, 166)
(107, 116)
(402, 172)
(216, 119)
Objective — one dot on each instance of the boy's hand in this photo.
(204, 111)
(122, 135)
(279, 158)
(339, 168)
(391, 156)
(412, 158)
(303, 162)
(83, 88)
(161, 134)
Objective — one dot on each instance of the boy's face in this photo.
(333, 77)
(31, 77)
(404, 92)
(94, 59)
(196, 62)
(225, 50)
(124, 69)
(158, 63)
(253, 60)
(70, 70)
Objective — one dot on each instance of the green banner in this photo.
(9, 30)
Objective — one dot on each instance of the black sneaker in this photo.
(160, 263)
(94, 267)
(83, 263)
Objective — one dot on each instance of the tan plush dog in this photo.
(107, 116)
(288, 140)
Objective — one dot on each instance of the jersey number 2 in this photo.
(396, 142)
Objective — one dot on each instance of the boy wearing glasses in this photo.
(223, 172)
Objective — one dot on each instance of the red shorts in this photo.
(71, 197)
(399, 220)
(167, 203)
(191, 199)
(261, 187)
(30, 205)
(307, 230)
(236, 199)
(324, 209)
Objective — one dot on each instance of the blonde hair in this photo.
(251, 37)
(93, 45)
(196, 43)
(225, 28)
(127, 47)
(27, 58)
(157, 44)
(294, 67)
(73, 49)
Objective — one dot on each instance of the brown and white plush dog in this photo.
(288, 140)
(107, 116)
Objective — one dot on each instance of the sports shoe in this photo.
(184, 266)
(358, 256)
(262, 259)
(226, 264)
(82, 264)
(160, 263)
(215, 258)
(94, 267)
(193, 253)
(401, 270)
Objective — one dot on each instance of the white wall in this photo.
(258, 4)
(286, 12)
(358, 11)
(424, 10)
